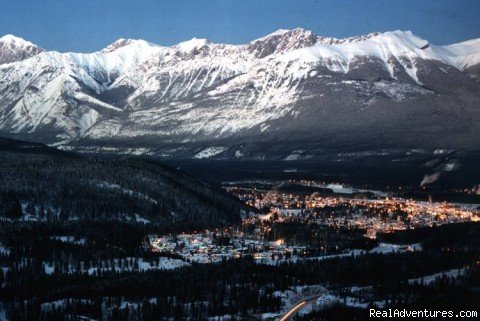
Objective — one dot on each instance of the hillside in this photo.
(40, 183)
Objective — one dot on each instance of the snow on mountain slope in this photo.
(43, 89)
(462, 55)
(16, 49)
(201, 91)
(194, 43)
(401, 46)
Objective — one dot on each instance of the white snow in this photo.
(342, 189)
(87, 120)
(113, 186)
(191, 44)
(69, 239)
(210, 152)
(462, 55)
(383, 248)
(95, 102)
(58, 304)
(49, 268)
(4, 250)
(326, 300)
(293, 157)
(429, 279)
(396, 248)
(140, 219)
(403, 46)
(14, 41)
(238, 154)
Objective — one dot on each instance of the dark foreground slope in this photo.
(239, 289)
(42, 183)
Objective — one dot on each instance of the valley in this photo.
(267, 245)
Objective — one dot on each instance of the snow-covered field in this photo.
(382, 248)
(432, 278)
(396, 248)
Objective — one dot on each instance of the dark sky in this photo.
(85, 26)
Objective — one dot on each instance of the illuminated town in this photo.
(338, 223)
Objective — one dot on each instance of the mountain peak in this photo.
(122, 42)
(13, 40)
(13, 48)
(194, 43)
(407, 38)
(285, 33)
(282, 40)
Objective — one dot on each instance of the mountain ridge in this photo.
(197, 95)
(14, 49)
(326, 40)
(275, 34)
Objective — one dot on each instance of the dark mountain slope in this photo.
(42, 183)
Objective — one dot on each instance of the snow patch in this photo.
(210, 152)
(69, 239)
(140, 219)
(192, 44)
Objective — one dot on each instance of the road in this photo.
(290, 313)
(293, 311)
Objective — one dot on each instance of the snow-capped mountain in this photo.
(16, 49)
(290, 95)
